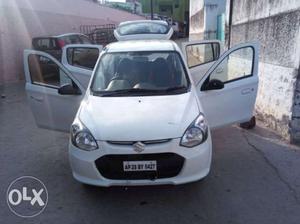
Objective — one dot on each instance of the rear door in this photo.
(227, 91)
(45, 77)
(80, 60)
(200, 55)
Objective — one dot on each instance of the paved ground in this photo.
(255, 178)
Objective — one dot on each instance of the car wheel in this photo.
(249, 124)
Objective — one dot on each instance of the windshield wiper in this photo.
(126, 92)
(176, 89)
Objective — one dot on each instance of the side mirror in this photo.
(69, 89)
(213, 84)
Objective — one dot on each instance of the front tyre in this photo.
(249, 124)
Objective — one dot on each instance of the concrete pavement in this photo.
(255, 178)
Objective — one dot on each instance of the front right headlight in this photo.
(81, 137)
(196, 133)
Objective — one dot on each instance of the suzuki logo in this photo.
(27, 196)
(139, 147)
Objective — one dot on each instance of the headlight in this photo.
(196, 133)
(81, 137)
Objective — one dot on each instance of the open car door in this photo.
(80, 60)
(227, 91)
(200, 55)
(54, 94)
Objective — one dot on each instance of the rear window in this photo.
(75, 39)
(85, 40)
(143, 28)
(72, 39)
(44, 43)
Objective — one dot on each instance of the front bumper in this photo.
(196, 163)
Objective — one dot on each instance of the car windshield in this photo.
(140, 73)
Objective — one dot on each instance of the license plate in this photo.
(139, 166)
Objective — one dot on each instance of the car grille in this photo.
(144, 142)
(168, 165)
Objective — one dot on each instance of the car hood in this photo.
(138, 118)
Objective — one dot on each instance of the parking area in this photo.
(255, 178)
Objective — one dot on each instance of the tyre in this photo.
(249, 124)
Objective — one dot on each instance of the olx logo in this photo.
(27, 196)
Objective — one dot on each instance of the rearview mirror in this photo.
(69, 89)
(213, 85)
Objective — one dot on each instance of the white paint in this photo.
(261, 9)
(144, 118)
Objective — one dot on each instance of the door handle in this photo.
(39, 99)
(247, 91)
(219, 70)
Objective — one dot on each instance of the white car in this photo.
(143, 116)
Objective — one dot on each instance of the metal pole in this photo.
(152, 10)
(230, 22)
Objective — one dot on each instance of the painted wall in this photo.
(178, 6)
(23, 19)
(276, 25)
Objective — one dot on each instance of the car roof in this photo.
(69, 34)
(61, 35)
(142, 45)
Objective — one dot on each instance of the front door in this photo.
(227, 91)
(45, 76)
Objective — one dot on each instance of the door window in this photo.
(84, 40)
(83, 57)
(198, 54)
(43, 44)
(44, 71)
(238, 64)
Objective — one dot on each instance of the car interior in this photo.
(45, 72)
(144, 73)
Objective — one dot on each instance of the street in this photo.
(255, 178)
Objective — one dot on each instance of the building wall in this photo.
(203, 18)
(23, 19)
(276, 25)
(178, 12)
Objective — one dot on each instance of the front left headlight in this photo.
(196, 133)
(81, 137)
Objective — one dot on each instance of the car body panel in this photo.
(141, 45)
(139, 118)
(196, 166)
(235, 102)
